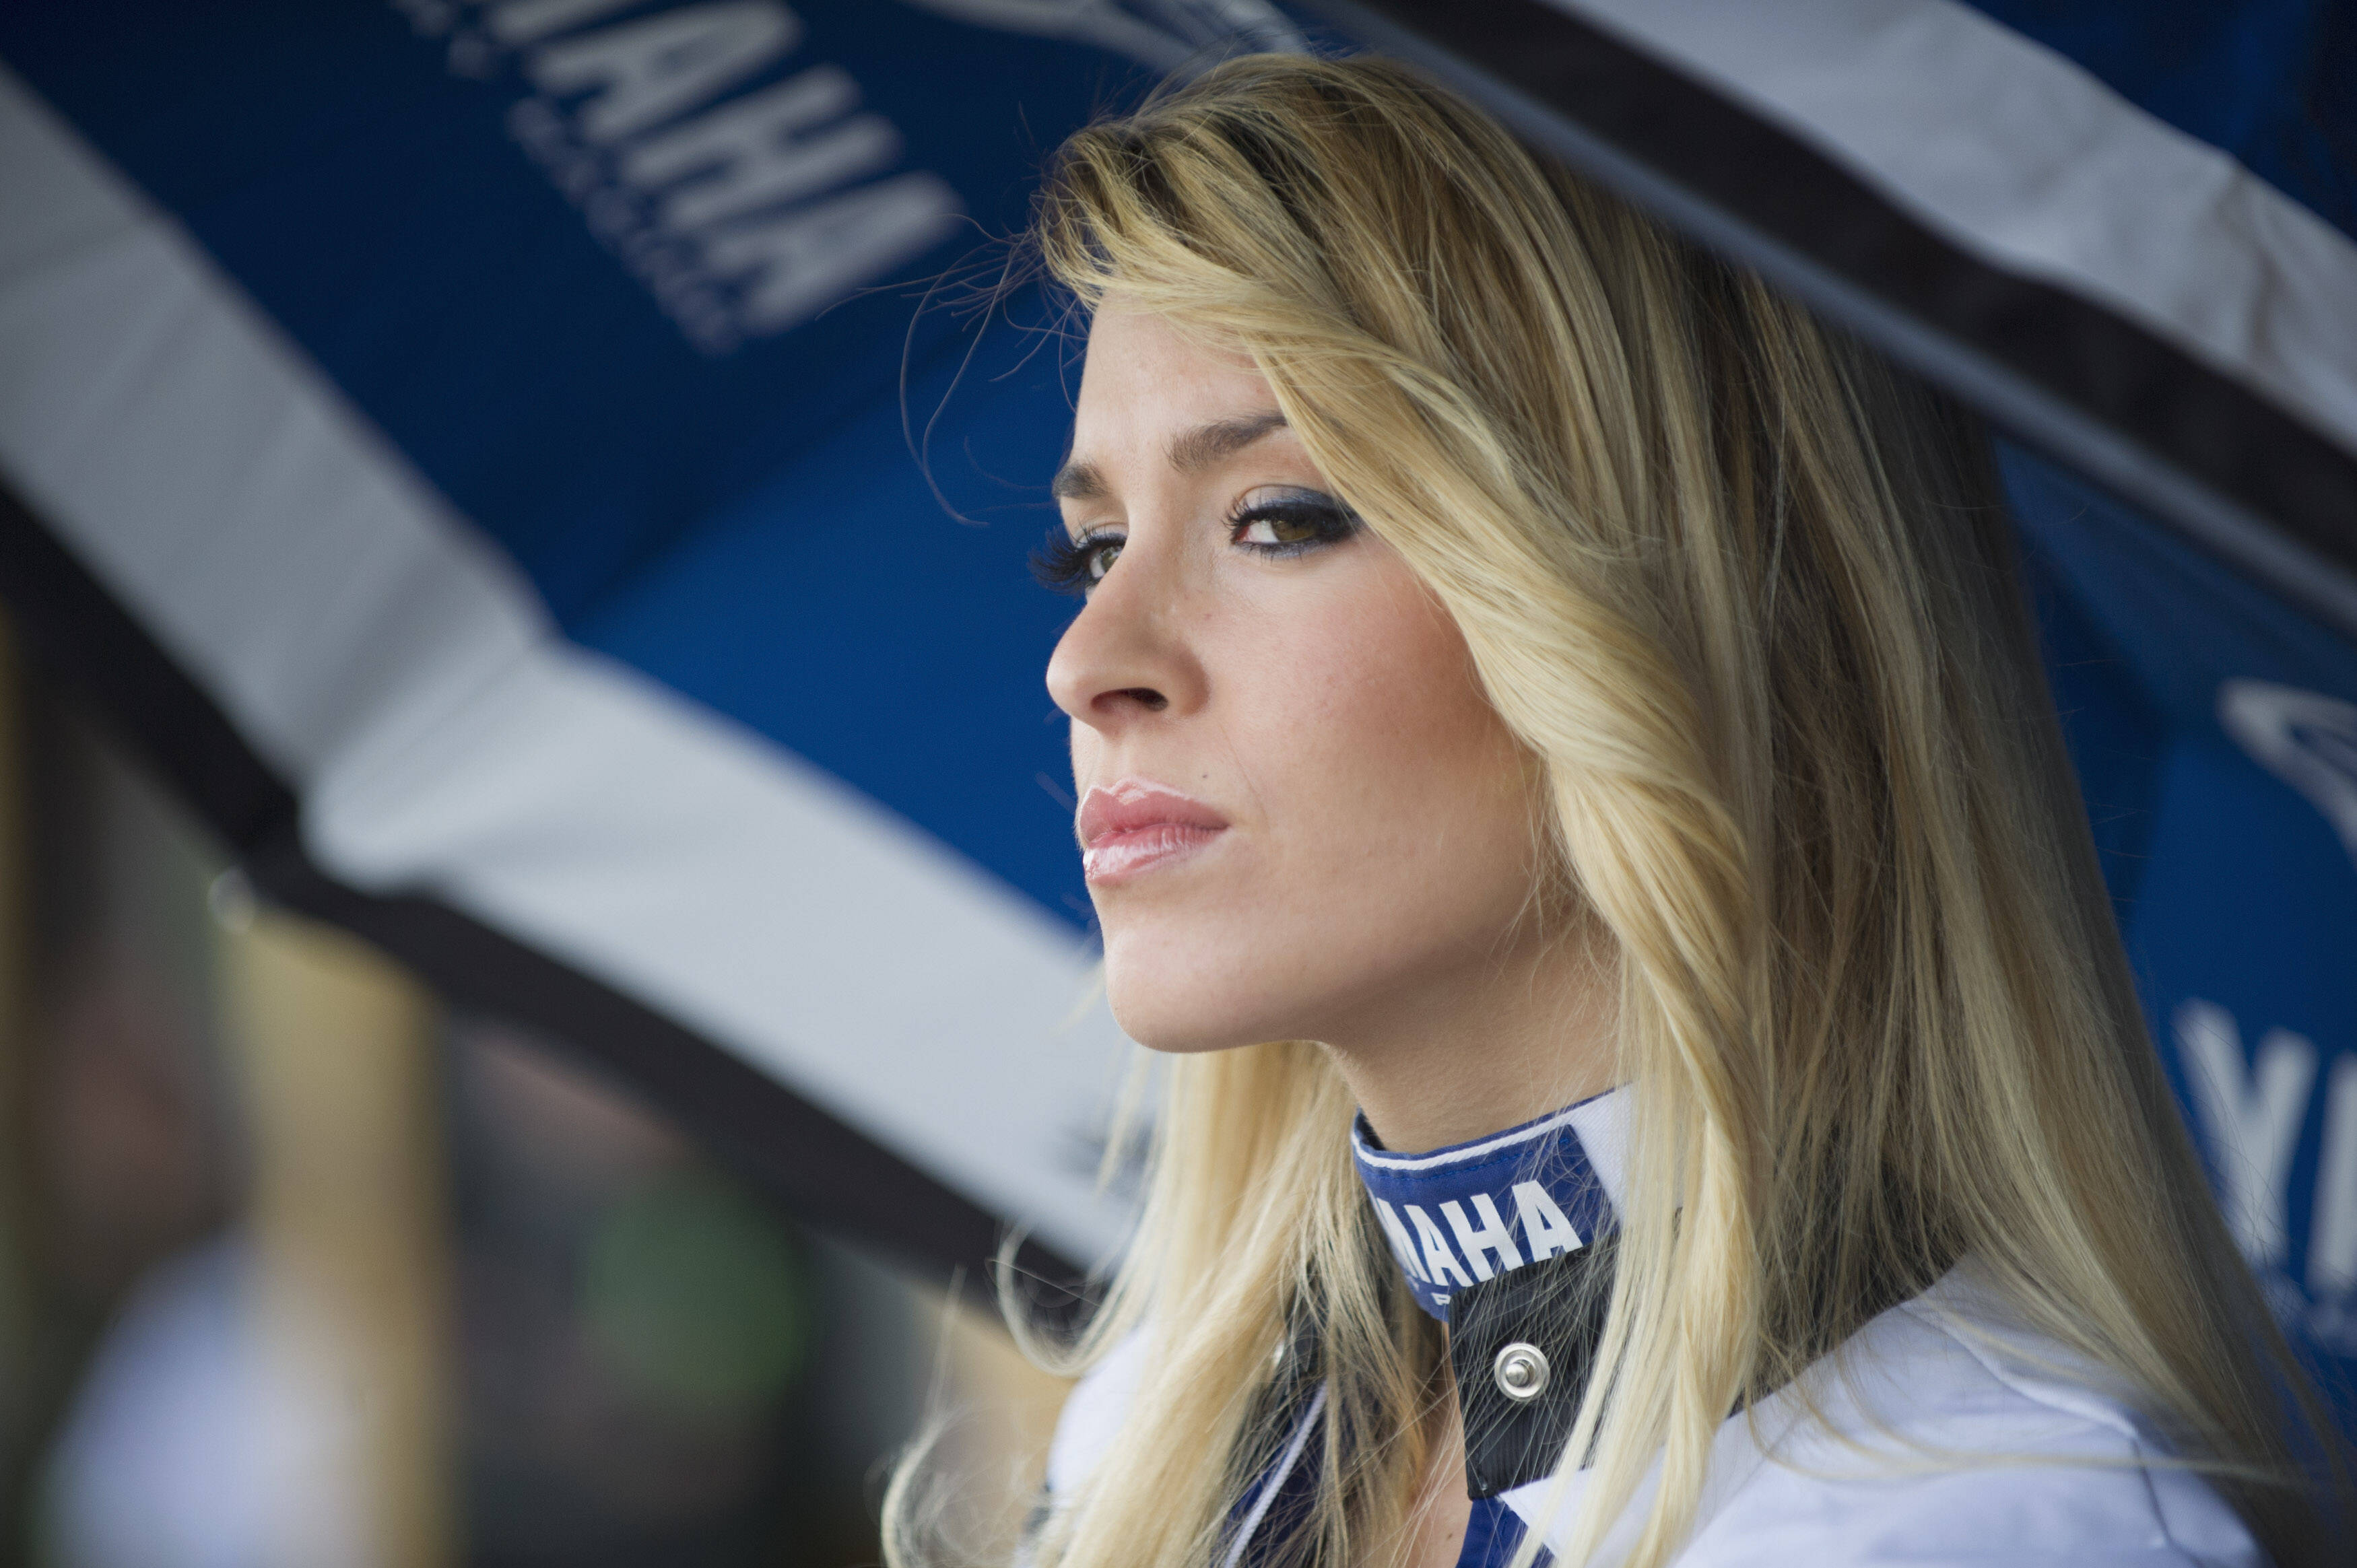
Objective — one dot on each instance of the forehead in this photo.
(1144, 381)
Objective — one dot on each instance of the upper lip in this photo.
(1130, 804)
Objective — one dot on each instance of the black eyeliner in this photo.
(1062, 562)
(1329, 520)
(1063, 565)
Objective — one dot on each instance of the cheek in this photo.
(1384, 815)
(1398, 801)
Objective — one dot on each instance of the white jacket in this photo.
(1951, 1435)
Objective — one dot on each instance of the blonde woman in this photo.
(1563, 777)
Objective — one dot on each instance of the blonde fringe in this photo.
(1744, 595)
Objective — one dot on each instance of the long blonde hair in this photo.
(1744, 595)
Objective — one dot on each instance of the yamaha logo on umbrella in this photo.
(744, 214)
(748, 209)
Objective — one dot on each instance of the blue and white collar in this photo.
(1463, 1214)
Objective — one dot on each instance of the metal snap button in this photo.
(1520, 1372)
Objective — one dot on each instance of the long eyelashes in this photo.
(1068, 565)
(1290, 522)
(1287, 523)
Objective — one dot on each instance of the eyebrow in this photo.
(1197, 448)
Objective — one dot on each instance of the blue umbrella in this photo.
(470, 444)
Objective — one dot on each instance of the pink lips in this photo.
(1134, 826)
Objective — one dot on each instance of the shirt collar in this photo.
(1472, 1211)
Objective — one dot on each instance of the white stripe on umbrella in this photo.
(445, 740)
(2021, 159)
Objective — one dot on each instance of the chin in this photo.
(1178, 1030)
(1185, 1019)
(1176, 1015)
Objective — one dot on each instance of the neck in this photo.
(1440, 1063)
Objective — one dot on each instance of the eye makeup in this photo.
(1070, 565)
(1286, 519)
(1271, 520)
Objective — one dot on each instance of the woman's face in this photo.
(1300, 820)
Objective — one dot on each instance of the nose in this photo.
(1124, 657)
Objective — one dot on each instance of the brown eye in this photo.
(1281, 527)
(1283, 520)
(1070, 565)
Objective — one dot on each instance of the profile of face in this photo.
(1299, 817)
